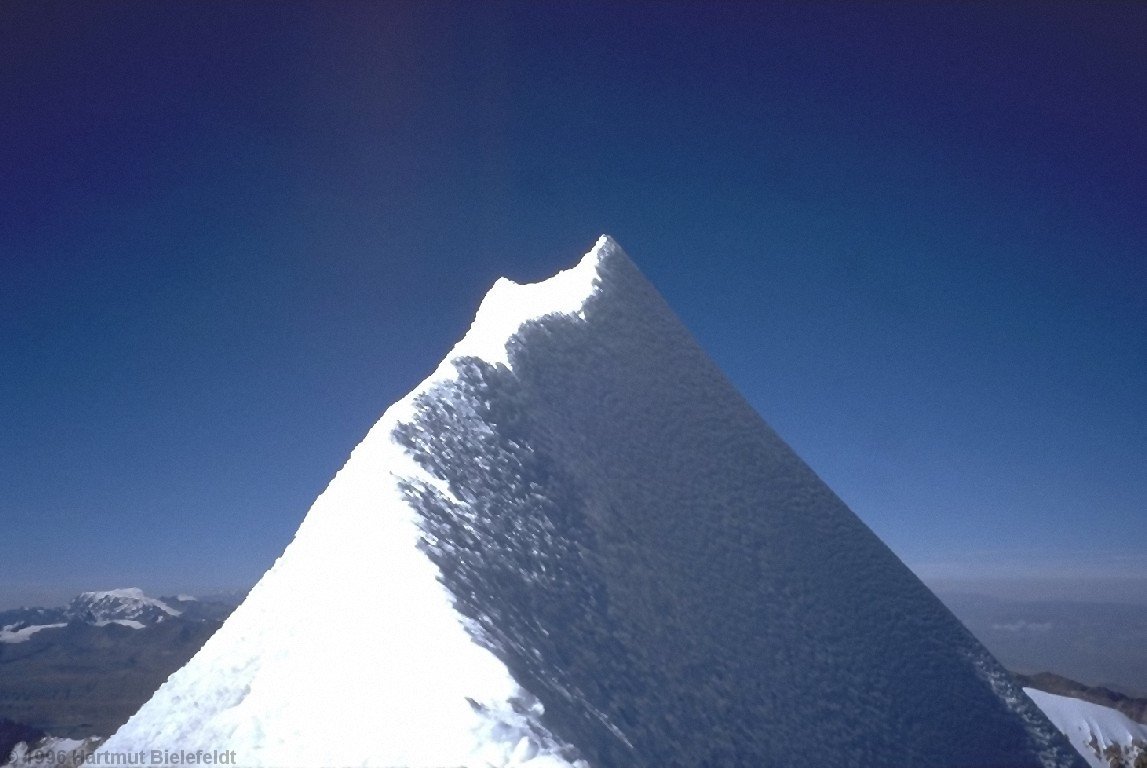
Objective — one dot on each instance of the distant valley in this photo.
(85, 668)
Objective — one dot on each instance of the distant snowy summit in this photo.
(576, 544)
(126, 607)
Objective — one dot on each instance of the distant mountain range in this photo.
(125, 607)
(83, 669)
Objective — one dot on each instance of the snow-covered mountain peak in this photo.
(579, 543)
(119, 605)
(128, 607)
(125, 593)
(508, 305)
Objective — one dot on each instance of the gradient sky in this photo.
(232, 233)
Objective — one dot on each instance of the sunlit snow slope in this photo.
(576, 541)
(1099, 733)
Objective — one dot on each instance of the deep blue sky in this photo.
(232, 234)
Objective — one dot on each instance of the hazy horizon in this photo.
(1130, 591)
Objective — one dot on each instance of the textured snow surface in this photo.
(579, 542)
(1093, 729)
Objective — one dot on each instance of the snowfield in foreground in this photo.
(580, 545)
(1097, 732)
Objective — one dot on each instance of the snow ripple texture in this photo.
(646, 556)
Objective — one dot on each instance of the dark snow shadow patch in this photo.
(678, 588)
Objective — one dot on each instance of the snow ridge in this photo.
(648, 558)
(285, 671)
(582, 546)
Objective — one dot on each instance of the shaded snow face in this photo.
(648, 558)
(511, 538)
